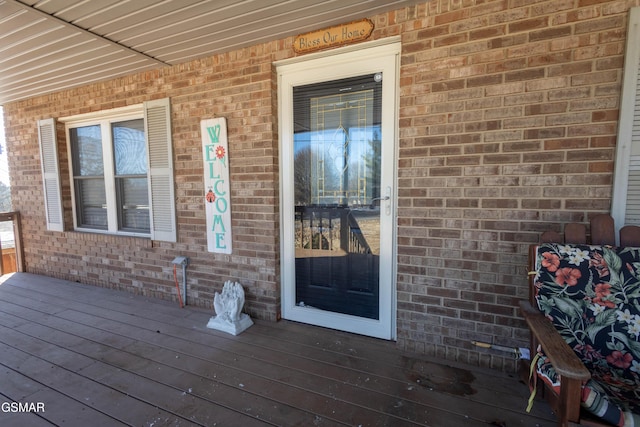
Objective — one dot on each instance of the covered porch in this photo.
(100, 357)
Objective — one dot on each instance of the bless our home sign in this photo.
(216, 184)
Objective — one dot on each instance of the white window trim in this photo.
(114, 113)
(628, 142)
(104, 119)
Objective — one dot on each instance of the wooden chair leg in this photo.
(569, 402)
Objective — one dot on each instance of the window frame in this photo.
(105, 119)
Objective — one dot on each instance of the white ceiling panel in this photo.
(50, 45)
(13, 66)
(128, 17)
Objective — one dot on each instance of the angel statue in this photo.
(228, 306)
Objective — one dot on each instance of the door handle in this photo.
(375, 199)
(387, 198)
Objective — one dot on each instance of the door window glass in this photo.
(337, 142)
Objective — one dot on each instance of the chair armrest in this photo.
(566, 363)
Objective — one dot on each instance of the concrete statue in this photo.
(228, 307)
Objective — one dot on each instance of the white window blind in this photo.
(625, 206)
(50, 174)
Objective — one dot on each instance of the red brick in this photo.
(546, 59)
(447, 86)
(483, 33)
(571, 68)
(550, 33)
(431, 33)
(596, 25)
(529, 74)
(453, 16)
(604, 116)
(566, 143)
(546, 108)
(598, 167)
(450, 40)
(485, 80)
(528, 25)
(545, 133)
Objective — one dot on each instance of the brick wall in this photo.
(508, 123)
(508, 115)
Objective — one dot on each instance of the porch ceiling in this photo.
(50, 45)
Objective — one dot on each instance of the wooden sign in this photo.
(217, 194)
(333, 36)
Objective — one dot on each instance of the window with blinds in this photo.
(121, 165)
(109, 163)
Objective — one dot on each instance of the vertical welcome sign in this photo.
(217, 193)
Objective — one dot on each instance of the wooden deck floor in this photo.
(98, 357)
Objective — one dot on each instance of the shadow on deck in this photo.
(99, 357)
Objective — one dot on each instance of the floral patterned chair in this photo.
(584, 315)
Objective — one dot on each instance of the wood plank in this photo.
(58, 408)
(264, 331)
(276, 332)
(281, 372)
(45, 287)
(603, 230)
(112, 327)
(198, 381)
(19, 418)
(328, 411)
(430, 380)
(203, 322)
(564, 359)
(95, 361)
(97, 396)
(327, 406)
(486, 386)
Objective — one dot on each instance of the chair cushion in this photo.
(595, 398)
(592, 296)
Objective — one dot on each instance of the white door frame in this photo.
(365, 58)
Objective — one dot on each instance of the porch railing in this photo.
(329, 228)
(12, 258)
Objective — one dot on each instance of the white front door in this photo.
(337, 140)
